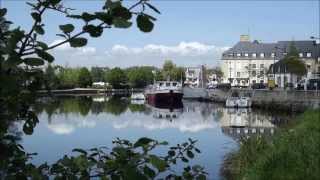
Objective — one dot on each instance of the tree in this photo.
(51, 80)
(20, 58)
(84, 78)
(139, 77)
(97, 74)
(116, 77)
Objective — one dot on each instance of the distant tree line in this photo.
(58, 77)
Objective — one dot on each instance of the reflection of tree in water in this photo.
(116, 106)
(97, 107)
(137, 107)
(85, 103)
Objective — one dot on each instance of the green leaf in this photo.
(105, 17)
(197, 150)
(45, 55)
(74, 16)
(54, 2)
(142, 142)
(94, 31)
(3, 12)
(33, 61)
(67, 28)
(158, 163)
(110, 4)
(121, 23)
(201, 177)
(39, 29)
(184, 159)
(190, 154)
(43, 45)
(144, 23)
(36, 16)
(122, 12)
(88, 17)
(171, 153)
(149, 172)
(78, 42)
(79, 151)
(153, 8)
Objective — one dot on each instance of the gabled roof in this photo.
(268, 48)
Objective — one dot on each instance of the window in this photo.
(238, 54)
(261, 66)
(285, 53)
(246, 54)
(273, 54)
(261, 73)
(300, 54)
(174, 84)
(230, 54)
(167, 84)
(160, 84)
(262, 55)
(238, 74)
(254, 73)
(253, 65)
(254, 55)
(308, 54)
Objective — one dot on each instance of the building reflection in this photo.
(188, 116)
(239, 123)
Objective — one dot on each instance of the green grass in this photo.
(292, 154)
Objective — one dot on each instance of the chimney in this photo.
(244, 38)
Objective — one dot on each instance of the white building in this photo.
(248, 62)
(195, 77)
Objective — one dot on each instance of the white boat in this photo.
(240, 102)
(137, 96)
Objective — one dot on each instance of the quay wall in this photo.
(273, 99)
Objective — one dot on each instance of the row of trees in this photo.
(57, 77)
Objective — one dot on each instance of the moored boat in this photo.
(164, 92)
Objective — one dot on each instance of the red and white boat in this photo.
(164, 92)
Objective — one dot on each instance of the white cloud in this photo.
(184, 53)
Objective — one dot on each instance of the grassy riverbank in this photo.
(292, 154)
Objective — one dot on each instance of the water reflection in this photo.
(191, 116)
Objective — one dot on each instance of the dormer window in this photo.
(230, 55)
(262, 55)
(285, 54)
(238, 54)
(273, 54)
(301, 55)
(246, 54)
(308, 54)
(254, 55)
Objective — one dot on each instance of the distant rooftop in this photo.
(252, 49)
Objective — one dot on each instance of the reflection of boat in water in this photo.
(164, 93)
(137, 96)
(242, 122)
(236, 101)
(167, 112)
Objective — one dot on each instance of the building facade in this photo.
(248, 62)
(195, 77)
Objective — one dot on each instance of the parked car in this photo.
(225, 86)
(258, 86)
(308, 84)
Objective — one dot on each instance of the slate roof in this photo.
(268, 48)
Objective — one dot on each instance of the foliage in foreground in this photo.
(125, 160)
(293, 154)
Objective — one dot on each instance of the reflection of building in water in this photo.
(242, 122)
(168, 113)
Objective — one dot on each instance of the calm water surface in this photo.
(86, 122)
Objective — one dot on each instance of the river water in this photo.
(86, 122)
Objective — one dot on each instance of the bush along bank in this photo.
(293, 153)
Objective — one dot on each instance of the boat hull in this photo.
(165, 99)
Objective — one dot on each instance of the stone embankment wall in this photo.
(273, 99)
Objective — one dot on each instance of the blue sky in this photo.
(205, 27)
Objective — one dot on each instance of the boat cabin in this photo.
(167, 85)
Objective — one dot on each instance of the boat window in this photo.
(167, 84)
(174, 84)
(160, 84)
(167, 116)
